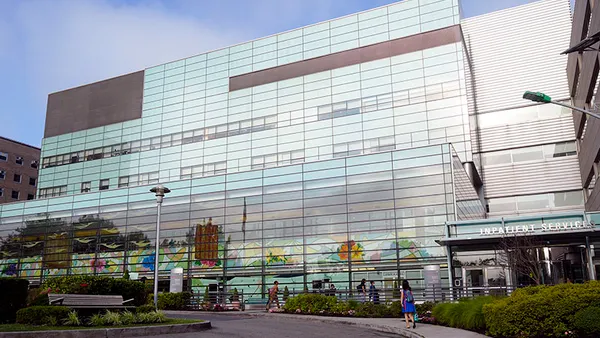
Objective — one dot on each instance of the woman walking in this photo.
(408, 304)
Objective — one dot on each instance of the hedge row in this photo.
(97, 285)
(465, 314)
(546, 311)
(317, 304)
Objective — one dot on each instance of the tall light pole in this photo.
(543, 98)
(160, 192)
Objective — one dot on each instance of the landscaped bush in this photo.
(540, 310)
(465, 314)
(311, 303)
(13, 296)
(145, 308)
(173, 300)
(43, 315)
(371, 310)
(98, 285)
(587, 322)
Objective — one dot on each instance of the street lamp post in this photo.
(160, 192)
(543, 98)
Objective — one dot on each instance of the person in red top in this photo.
(273, 295)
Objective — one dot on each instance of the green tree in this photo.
(286, 293)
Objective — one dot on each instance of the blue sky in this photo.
(48, 46)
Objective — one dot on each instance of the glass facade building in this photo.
(335, 151)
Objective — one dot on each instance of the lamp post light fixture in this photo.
(160, 192)
(543, 98)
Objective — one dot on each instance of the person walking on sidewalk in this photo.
(408, 304)
(362, 290)
(373, 293)
(273, 295)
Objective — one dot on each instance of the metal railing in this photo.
(218, 300)
(226, 300)
(421, 294)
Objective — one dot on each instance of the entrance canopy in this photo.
(556, 229)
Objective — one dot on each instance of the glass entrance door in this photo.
(473, 280)
(485, 280)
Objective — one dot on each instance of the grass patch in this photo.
(22, 327)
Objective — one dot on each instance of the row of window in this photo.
(340, 109)
(104, 184)
(15, 194)
(141, 179)
(529, 153)
(536, 202)
(17, 178)
(53, 191)
(192, 136)
(18, 160)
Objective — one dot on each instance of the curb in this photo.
(382, 328)
(139, 331)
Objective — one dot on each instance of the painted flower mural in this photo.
(353, 248)
(98, 264)
(276, 256)
(10, 270)
(148, 262)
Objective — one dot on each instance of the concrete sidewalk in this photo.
(390, 325)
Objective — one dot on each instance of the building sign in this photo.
(536, 228)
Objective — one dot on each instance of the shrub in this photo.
(310, 303)
(72, 319)
(396, 309)
(98, 285)
(13, 293)
(128, 318)
(540, 310)
(371, 310)
(425, 308)
(587, 321)
(129, 290)
(42, 315)
(112, 318)
(173, 300)
(465, 314)
(151, 317)
(145, 308)
(96, 320)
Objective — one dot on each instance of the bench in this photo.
(89, 301)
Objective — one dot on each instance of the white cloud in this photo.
(70, 43)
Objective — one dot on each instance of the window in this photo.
(104, 184)
(34, 164)
(32, 181)
(560, 149)
(3, 156)
(14, 194)
(86, 186)
(2, 174)
(123, 181)
(1, 192)
(17, 178)
(53, 191)
(29, 196)
(19, 160)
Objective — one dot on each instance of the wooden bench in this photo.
(89, 301)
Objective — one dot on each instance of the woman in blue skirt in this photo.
(408, 304)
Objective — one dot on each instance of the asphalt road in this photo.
(267, 327)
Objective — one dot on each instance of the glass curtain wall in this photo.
(342, 219)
